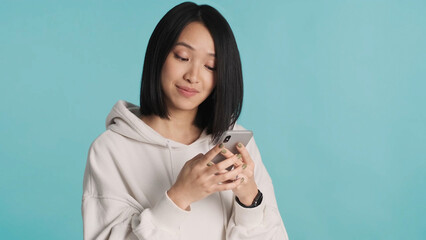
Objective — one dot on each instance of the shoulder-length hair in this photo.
(223, 106)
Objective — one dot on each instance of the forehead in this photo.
(198, 37)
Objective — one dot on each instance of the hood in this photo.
(124, 119)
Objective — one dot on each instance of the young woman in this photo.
(150, 175)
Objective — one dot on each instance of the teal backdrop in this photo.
(334, 92)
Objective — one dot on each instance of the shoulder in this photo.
(107, 148)
(105, 140)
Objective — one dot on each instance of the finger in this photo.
(242, 178)
(228, 162)
(237, 164)
(195, 159)
(229, 175)
(243, 151)
(227, 185)
(212, 153)
(221, 166)
(226, 153)
(200, 155)
(239, 161)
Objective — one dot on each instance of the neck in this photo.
(179, 127)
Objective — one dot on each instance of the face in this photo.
(188, 74)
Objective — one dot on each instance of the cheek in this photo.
(165, 73)
(212, 83)
(169, 70)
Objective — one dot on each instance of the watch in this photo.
(256, 201)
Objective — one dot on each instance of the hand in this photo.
(246, 191)
(199, 178)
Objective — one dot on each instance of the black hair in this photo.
(221, 109)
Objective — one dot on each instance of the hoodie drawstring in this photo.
(171, 162)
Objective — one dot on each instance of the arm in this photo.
(264, 221)
(106, 217)
(109, 212)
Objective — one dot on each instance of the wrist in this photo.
(248, 198)
(180, 201)
(256, 201)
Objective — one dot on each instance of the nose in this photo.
(191, 75)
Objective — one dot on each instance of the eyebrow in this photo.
(192, 48)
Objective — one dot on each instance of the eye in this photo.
(180, 58)
(210, 68)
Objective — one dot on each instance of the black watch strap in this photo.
(256, 201)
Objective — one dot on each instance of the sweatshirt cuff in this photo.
(248, 217)
(167, 215)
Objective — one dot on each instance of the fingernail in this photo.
(239, 155)
(244, 166)
(209, 164)
(242, 179)
(221, 145)
(224, 151)
(240, 145)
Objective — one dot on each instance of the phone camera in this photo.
(227, 139)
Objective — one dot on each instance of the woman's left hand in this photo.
(247, 190)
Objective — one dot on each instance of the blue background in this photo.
(334, 92)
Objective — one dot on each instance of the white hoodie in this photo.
(129, 169)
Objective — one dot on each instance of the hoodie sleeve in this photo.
(264, 221)
(109, 214)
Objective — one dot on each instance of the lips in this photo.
(187, 91)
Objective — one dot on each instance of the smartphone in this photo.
(230, 139)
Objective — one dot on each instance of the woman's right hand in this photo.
(199, 178)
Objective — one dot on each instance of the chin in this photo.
(186, 104)
(185, 107)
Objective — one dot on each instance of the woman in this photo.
(150, 174)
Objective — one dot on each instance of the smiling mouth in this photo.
(186, 91)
